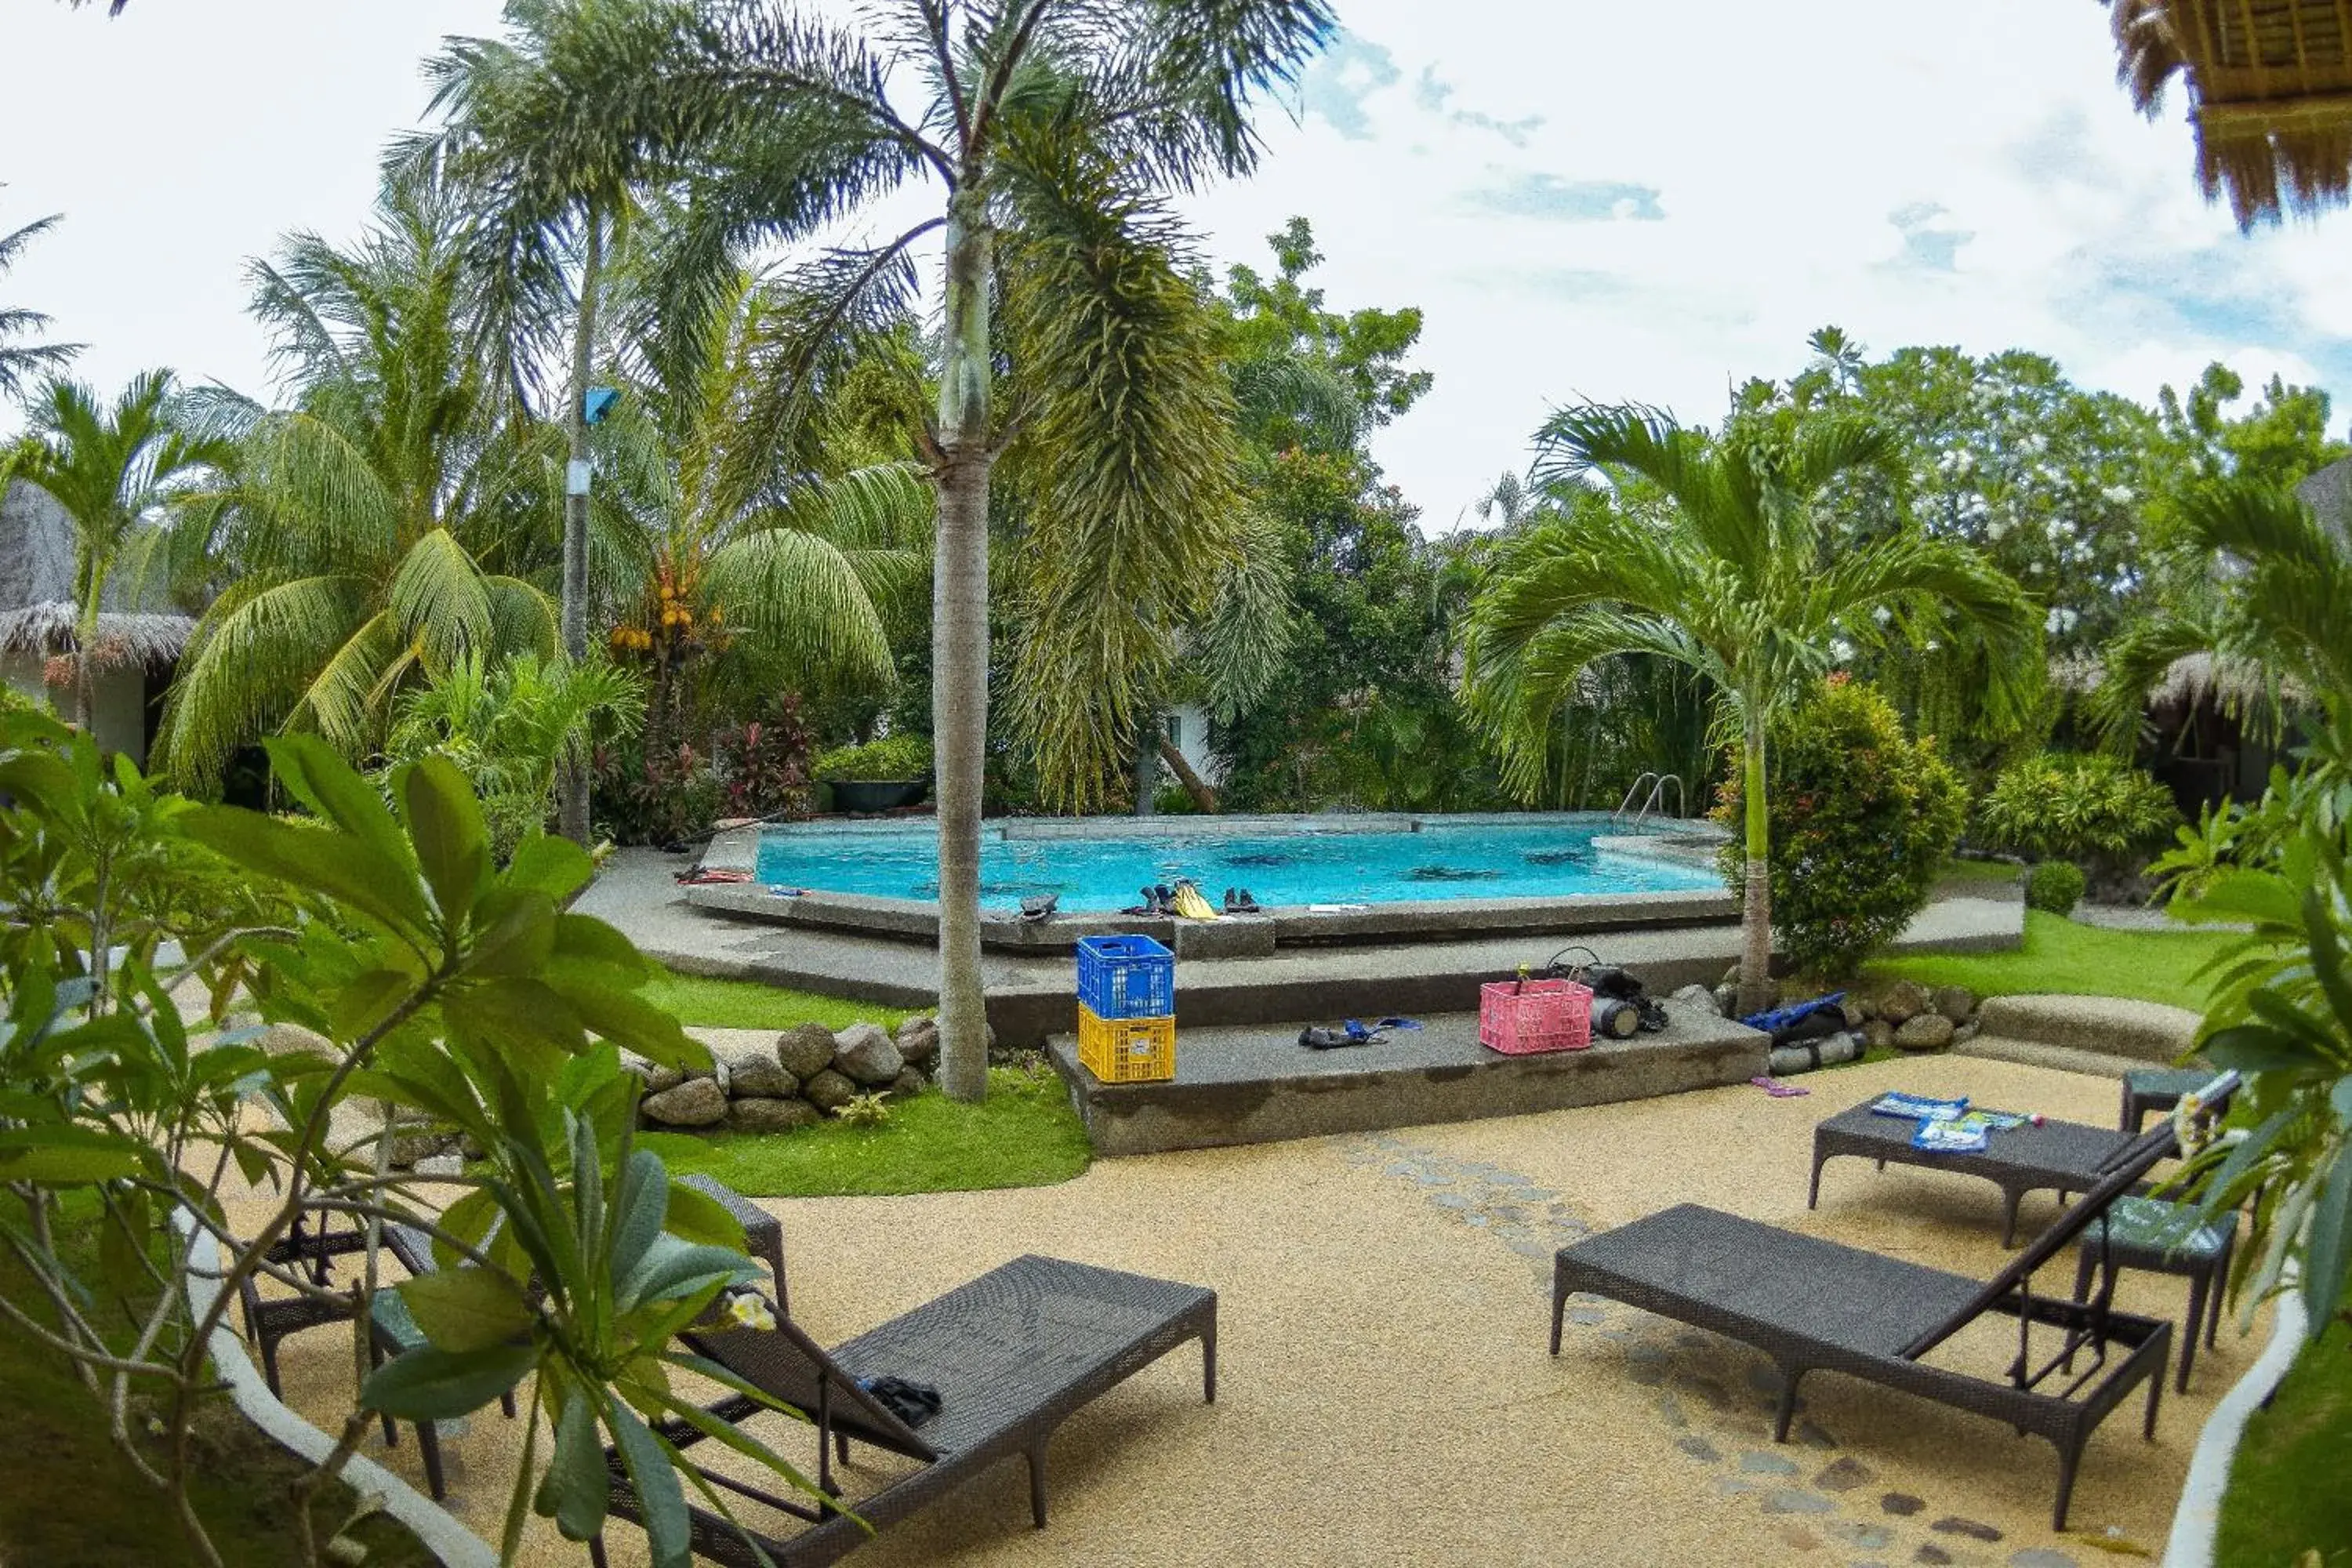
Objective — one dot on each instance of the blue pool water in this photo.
(1279, 865)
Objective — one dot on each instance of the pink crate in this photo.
(1521, 1018)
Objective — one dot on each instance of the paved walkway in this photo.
(1384, 1393)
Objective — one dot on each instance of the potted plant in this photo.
(880, 775)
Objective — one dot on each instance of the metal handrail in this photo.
(1655, 800)
(1631, 791)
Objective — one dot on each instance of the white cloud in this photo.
(1736, 175)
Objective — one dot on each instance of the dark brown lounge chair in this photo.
(1812, 1304)
(1012, 1353)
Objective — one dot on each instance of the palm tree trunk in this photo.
(572, 780)
(1146, 766)
(1194, 784)
(960, 645)
(84, 636)
(1756, 915)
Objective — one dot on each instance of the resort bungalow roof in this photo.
(37, 604)
(2270, 93)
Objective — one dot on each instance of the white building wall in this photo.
(118, 708)
(1188, 727)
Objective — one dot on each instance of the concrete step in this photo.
(2063, 1059)
(2144, 1032)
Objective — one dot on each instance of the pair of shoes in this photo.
(1038, 909)
(1157, 901)
(1317, 1038)
(1239, 902)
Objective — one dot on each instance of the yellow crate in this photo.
(1127, 1050)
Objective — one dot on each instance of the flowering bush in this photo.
(1863, 818)
(766, 763)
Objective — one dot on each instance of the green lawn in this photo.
(2288, 1502)
(71, 1500)
(1997, 872)
(2062, 957)
(1023, 1135)
(747, 1005)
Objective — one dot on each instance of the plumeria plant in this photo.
(137, 1084)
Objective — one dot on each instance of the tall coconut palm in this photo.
(1729, 574)
(551, 137)
(113, 467)
(1049, 128)
(713, 536)
(384, 523)
(20, 361)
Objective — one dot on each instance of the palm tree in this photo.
(1050, 129)
(1722, 567)
(2256, 604)
(713, 536)
(113, 469)
(384, 525)
(551, 136)
(19, 361)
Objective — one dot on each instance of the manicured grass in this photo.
(2062, 957)
(1023, 1135)
(747, 1005)
(71, 1500)
(2288, 1503)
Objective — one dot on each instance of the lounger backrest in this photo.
(792, 1369)
(2124, 1170)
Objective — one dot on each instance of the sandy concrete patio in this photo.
(1384, 1394)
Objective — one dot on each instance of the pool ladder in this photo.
(1654, 801)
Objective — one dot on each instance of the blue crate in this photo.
(1126, 977)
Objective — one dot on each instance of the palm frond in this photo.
(801, 596)
(1129, 454)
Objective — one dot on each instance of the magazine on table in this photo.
(1918, 1108)
(1951, 1137)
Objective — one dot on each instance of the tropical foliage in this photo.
(1863, 820)
(114, 467)
(427, 979)
(382, 526)
(21, 360)
(1714, 555)
(2076, 808)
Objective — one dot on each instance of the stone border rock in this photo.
(440, 1534)
(2197, 1520)
(791, 1080)
(1905, 1015)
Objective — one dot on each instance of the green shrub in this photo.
(2056, 886)
(1863, 820)
(2064, 806)
(892, 759)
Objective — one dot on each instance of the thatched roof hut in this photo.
(2270, 92)
(37, 605)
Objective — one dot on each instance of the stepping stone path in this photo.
(1534, 1223)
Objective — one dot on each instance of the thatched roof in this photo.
(125, 640)
(2191, 679)
(37, 593)
(2270, 91)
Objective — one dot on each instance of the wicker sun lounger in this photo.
(1013, 1354)
(1813, 1304)
(2057, 1156)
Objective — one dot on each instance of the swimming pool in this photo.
(1104, 865)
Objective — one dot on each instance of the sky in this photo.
(1647, 203)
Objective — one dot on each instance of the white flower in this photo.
(2117, 495)
(1841, 650)
(2189, 1124)
(749, 1310)
(1882, 615)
